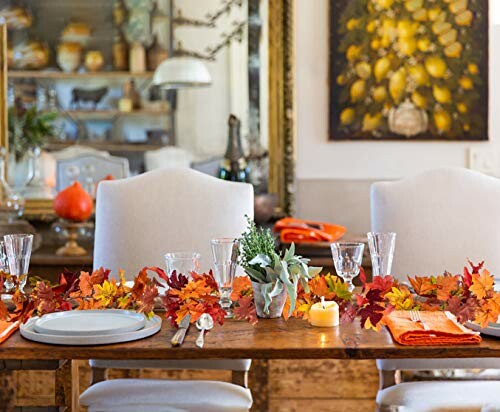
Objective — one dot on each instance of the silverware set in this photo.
(204, 323)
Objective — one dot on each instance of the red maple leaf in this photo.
(177, 281)
(372, 312)
(463, 310)
(362, 276)
(467, 278)
(381, 283)
(147, 299)
(348, 312)
(476, 268)
(245, 310)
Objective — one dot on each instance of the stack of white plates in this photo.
(492, 329)
(90, 327)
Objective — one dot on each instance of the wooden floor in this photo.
(291, 386)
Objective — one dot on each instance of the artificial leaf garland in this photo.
(195, 297)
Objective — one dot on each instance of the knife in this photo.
(181, 332)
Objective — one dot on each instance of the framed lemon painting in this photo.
(409, 69)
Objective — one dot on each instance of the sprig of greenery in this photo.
(253, 242)
(29, 128)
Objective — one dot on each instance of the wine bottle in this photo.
(234, 166)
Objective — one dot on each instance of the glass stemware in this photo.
(347, 258)
(382, 247)
(4, 267)
(18, 248)
(182, 263)
(225, 254)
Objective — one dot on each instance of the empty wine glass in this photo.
(347, 258)
(18, 248)
(382, 247)
(182, 262)
(225, 254)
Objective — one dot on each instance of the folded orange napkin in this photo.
(298, 230)
(7, 329)
(443, 329)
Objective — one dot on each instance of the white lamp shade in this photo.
(181, 72)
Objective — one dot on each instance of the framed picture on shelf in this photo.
(408, 70)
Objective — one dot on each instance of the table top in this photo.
(268, 339)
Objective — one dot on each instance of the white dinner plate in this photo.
(492, 329)
(90, 322)
(27, 330)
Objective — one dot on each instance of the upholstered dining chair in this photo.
(441, 217)
(138, 220)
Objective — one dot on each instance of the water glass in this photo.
(18, 248)
(382, 252)
(4, 267)
(347, 258)
(225, 254)
(182, 263)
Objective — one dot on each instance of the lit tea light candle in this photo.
(324, 314)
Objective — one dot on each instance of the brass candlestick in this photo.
(70, 231)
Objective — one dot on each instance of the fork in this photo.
(415, 317)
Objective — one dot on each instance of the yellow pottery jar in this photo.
(94, 60)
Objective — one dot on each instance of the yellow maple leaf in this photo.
(401, 298)
(106, 292)
(482, 283)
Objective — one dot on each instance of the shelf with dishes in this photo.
(110, 146)
(60, 75)
(109, 114)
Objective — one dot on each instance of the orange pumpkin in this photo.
(74, 203)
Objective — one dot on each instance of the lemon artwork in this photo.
(409, 69)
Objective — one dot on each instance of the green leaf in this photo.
(255, 275)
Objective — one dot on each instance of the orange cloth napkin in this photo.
(444, 330)
(7, 329)
(298, 230)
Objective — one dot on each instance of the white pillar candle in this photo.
(324, 314)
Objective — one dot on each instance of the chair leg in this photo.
(240, 378)
(386, 379)
(98, 375)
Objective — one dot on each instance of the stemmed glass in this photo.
(382, 247)
(225, 254)
(18, 248)
(347, 258)
(182, 262)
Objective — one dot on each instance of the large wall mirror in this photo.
(93, 63)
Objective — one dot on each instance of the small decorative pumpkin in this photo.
(74, 203)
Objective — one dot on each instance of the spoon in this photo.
(204, 322)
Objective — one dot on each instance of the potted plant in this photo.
(29, 130)
(273, 277)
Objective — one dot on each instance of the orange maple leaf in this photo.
(86, 286)
(422, 285)
(486, 313)
(482, 283)
(446, 284)
(241, 287)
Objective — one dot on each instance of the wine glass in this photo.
(182, 263)
(381, 252)
(225, 254)
(347, 258)
(18, 248)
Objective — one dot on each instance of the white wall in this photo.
(202, 113)
(319, 158)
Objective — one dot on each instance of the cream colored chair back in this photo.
(140, 219)
(441, 217)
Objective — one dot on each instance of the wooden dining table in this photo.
(268, 339)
